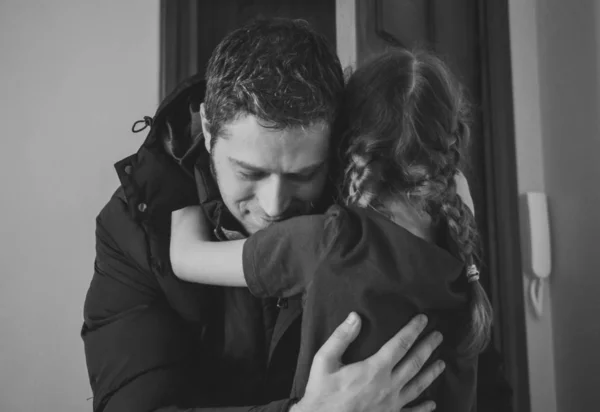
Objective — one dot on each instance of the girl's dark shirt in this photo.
(353, 259)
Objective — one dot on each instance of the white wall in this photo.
(555, 56)
(569, 80)
(530, 172)
(74, 75)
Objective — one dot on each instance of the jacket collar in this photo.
(171, 169)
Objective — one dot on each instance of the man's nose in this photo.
(274, 198)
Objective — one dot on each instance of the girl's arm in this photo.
(195, 258)
(276, 262)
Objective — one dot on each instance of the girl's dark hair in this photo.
(405, 132)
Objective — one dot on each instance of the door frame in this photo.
(178, 43)
(503, 194)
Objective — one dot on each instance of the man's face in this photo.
(264, 174)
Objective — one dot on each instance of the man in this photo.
(153, 342)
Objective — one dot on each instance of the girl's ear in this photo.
(462, 189)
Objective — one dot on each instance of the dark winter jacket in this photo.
(152, 340)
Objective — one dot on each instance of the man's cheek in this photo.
(238, 189)
(228, 182)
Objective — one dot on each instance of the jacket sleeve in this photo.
(142, 353)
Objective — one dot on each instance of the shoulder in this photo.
(141, 238)
(345, 225)
(122, 266)
(308, 233)
(329, 227)
(115, 223)
(133, 265)
(116, 210)
(118, 229)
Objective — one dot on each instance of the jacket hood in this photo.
(171, 169)
(176, 124)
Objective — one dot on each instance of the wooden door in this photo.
(191, 29)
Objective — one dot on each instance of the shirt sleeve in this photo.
(280, 261)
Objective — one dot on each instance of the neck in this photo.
(404, 214)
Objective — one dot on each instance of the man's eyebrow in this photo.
(308, 169)
(305, 170)
(245, 165)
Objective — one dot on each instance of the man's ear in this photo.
(195, 121)
(205, 131)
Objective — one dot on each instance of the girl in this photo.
(401, 242)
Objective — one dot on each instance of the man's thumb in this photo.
(330, 355)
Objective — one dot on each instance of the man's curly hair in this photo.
(279, 70)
